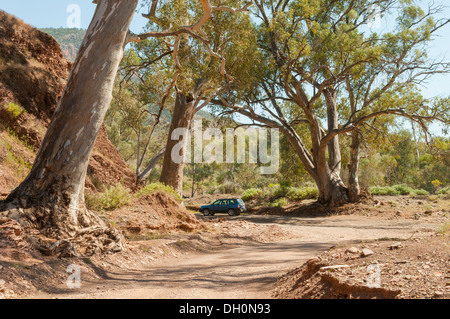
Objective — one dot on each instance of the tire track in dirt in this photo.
(242, 271)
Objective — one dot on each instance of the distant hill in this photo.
(69, 40)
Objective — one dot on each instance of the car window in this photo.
(233, 202)
(225, 202)
(217, 202)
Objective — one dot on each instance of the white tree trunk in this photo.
(353, 181)
(51, 197)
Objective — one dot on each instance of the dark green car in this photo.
(230, 206)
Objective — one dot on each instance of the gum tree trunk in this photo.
(172, 172)
(334, 151)
(51, 198)
(148, 170)
(353, 182)
(332, 190)
(331, 187)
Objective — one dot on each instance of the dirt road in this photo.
(245, 271)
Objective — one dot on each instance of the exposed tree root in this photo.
(55, 236)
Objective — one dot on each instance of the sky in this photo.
(78, 13)
(56, 13)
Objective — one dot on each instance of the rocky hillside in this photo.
(69, 40)
(33, 73)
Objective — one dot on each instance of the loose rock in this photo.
(395, 246)
(366, 252)
(353, 250)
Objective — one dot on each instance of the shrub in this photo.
(277, 190)
(113, 198)
(229, 188)
(252, 193)
(383, 190)
(160, 187)
(14, 110)
(420, 192)
(436, 183)
(280, 202)
(401, 189)
(302, 193)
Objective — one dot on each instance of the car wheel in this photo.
(205, 212)
(231, 212)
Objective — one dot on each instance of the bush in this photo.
(280, 194)
(229, 188)
(420, 192)
(443, 191)
(302, 193)
(382, 190)
(277, 190)
(160, 187)
(113, 198)
(401, 189)
(252, 193)
(14, 110)
(280, 202)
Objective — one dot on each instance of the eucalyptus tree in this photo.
(51, 198)
(332, 73)
(137, 115)
(215, 55)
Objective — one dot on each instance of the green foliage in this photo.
(14, 110)
(444, 191)
(16, 161)
(229, 188)
(275, 190)
(280, 202)
(66, 35)
(396, 190)
(383, 190)
(112, 198)
(316, 42)
(23, 140)
(401, 160)
(231, 36)
(199, 175)
(280, 194)
(136, 117)
(252, 193)
(159, 187)
(421, 192)
(69, 39)
(403, 189)
(302, 193)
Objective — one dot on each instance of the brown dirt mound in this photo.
(33, 74)
(107, 166)
(152, 215)
(412, 269)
